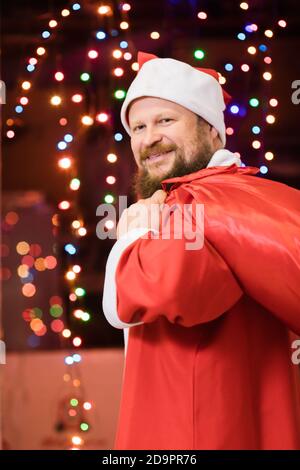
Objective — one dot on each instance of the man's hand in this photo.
(143, 214)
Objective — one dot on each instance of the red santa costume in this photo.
(209, 332)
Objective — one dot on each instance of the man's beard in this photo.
(144, 185)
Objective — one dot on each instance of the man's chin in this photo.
(148, 180)
(160, 170)
(144, 184)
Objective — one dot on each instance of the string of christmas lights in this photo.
(259, 51)
(121, 65)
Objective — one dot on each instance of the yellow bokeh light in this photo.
(117, 54)
(118, 72)
(267, 76)
(59, 76)
(66, 333)
(64, 205)
(87, 120)
(74, 184)
(77, 342)
(23, 270)
(135, 66)
(81, 232)
(70, 276)
(124, 25)
(78, 313)
(112, 158)
(26, 85)
(87, 405)
(55, 100)
(103, 117)
(251, 50)
(256, 144)
(270, 119)
(40, 51)
(104, 10)
(269, 33)
(273, 102)
(65, 12)
(65, 163)
(22, 248)
(76, 224)
(76, 440)
(269, 155)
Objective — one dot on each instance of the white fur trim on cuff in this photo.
(109, 301)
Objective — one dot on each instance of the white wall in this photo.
(32, 396)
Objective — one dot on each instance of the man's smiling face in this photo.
(167, 140)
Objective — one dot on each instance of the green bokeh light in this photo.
(199, 54)
(120, 94)
(254, 102)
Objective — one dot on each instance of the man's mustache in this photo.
(157, 150)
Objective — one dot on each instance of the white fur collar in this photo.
(223, 157)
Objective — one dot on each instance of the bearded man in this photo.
(209, 332)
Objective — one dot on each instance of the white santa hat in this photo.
(197, 89)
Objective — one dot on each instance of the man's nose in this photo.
(151, 137)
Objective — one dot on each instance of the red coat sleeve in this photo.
(157, 277)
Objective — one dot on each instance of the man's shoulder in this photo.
(238, 187)
(243, 180)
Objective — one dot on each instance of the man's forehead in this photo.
(141, 107)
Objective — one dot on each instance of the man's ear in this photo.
(217, 142)
(214, 133)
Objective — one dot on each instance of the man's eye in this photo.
(166, 119)
(137, 128)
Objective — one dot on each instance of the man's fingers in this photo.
(158, 197)
(144, 213)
